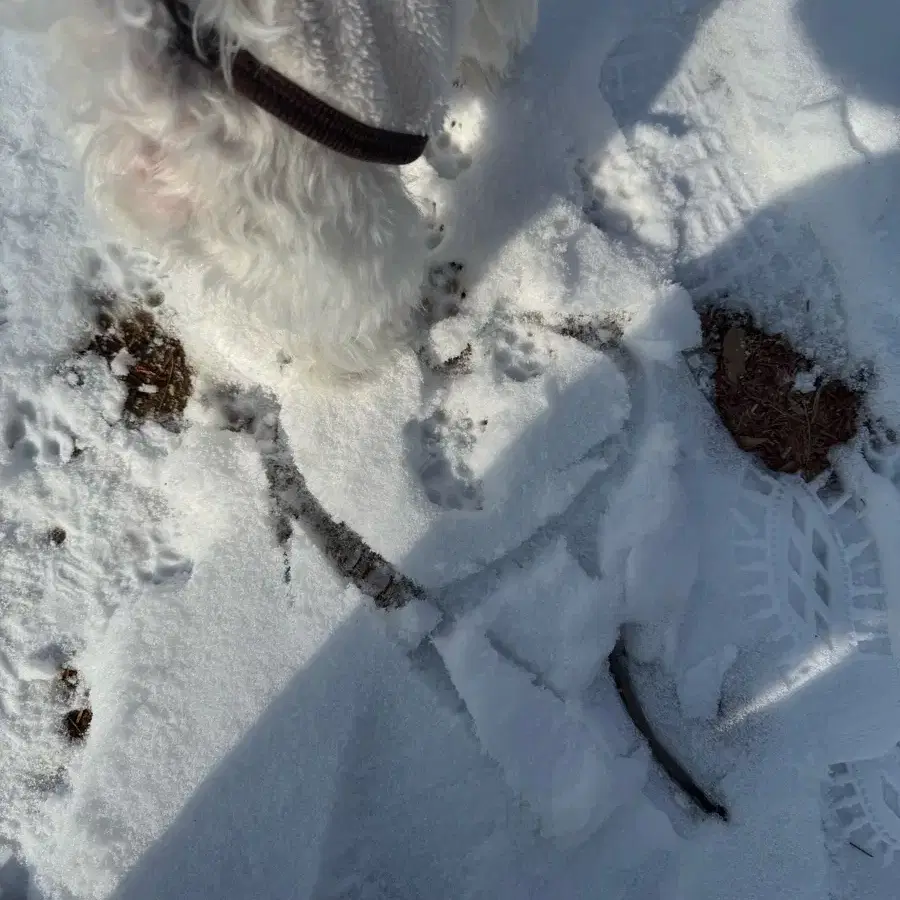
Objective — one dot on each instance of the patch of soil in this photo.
(591, 332)
(774, 402)
(151, 363)
(71, 693)
(76, 723)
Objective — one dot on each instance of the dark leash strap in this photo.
(291, 104)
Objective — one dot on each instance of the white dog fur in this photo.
(316, 255)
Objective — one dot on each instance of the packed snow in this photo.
(548, 468)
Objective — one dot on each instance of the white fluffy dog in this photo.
(320, 254)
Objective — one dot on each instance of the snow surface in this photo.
(260, 730)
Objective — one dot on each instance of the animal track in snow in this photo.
(447, 341)
(34, 438)
(445, 154)
(435, 229)
(518, 352)
(504, 349)
(622, 199)
(443, 291)
(441, 444)
(158, 562)
(115, 273)
(595, 204)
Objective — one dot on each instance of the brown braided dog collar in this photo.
(289, 103)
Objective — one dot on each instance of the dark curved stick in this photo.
(618, 667)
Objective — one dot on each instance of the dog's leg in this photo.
(498, 30)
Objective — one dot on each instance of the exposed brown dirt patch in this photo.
(70, 692)
(150, 362)
(76, 723)
(772, 399)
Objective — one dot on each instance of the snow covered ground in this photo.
(261, 730)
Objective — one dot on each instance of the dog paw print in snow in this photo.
(498, 397)
(443, 291)
(881, 446)
(36, 682)
(518, 351)
(446, 157)
(158, 562)
(448, 346)
(436, 229)
(35, 438)
(450, 151)
(456, 340)
(115, 273)
(441, 444)
(621, 199)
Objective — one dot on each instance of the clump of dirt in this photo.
(76, 722)
(151, 363)
(773, 400)
(56, 535)
(591, 332)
